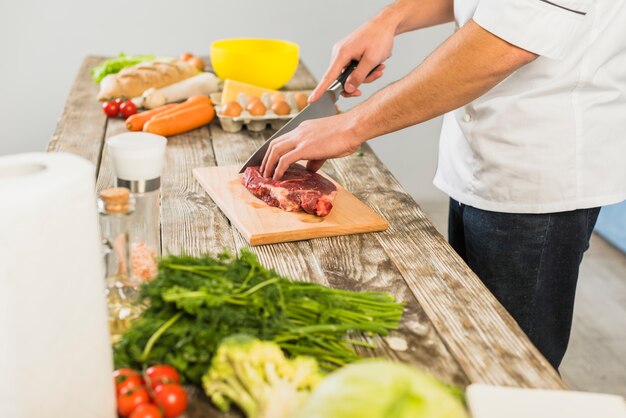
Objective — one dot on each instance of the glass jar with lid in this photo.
(116, 208)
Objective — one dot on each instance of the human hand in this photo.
(313, 140)
(371, 44)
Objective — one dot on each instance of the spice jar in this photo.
(122, 289)
(138, 159)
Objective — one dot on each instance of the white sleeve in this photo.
(545, 27)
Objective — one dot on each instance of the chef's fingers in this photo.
(360, 73)
(373, 76)
(285, 161)
(268, 152)
(338, 63)
(314, 165)
(355, 93)
(376, 74)
(274, 155)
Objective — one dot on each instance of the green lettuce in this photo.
(115, 65)
(383, 389)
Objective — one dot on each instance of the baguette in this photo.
(133, 81)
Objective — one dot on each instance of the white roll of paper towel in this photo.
(55, 353)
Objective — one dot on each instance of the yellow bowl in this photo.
(268, 63)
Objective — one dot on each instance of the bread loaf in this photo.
(133, 81)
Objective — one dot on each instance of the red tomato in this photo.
(157, 375)
(131, 399)
(119, 101)
(110, 108)
(125, 382)
(172, 398)
(146, 410)
(128, 108)
(124, 372)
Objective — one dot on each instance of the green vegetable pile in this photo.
(194, 303)
(257, 377)
(115, 65)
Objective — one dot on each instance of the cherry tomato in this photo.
(131, 399)
(125, 382)
(119, 101)
(128, 108)
(129, 383)
(146, 410)
(157, 375)
(124, 372)
(172, 398)
(110, 108)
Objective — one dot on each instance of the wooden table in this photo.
(454, 327)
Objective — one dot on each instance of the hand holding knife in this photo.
(321, 108)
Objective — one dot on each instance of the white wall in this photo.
(42, 44)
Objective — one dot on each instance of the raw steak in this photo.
(298, 189)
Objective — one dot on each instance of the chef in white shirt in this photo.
(532, 143)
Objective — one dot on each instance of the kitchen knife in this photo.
(321, 108)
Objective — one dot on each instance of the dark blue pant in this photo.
(530, 263)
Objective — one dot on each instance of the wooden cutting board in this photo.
(262, 224)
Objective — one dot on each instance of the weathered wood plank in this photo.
(190, 221)
(359, 263)
(349, 262)
(106, 177)
(363, 171)
(200, 406)
(302, 80)
(482, 336)
(82, 124)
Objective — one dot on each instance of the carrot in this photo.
(198, 100)
(136, 121)
(190, 102)
(183, 120)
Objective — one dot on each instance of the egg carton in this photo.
(252, 122)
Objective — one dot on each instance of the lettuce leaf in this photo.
(383, 389)
(115, 65)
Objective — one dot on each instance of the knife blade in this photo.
(321, 108)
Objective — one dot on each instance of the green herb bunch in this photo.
(195, 302)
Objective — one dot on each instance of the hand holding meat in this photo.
(314, 140)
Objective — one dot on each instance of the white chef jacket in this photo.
(552, 136)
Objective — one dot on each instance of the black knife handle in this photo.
(343, 77)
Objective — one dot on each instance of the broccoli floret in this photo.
(257, 377)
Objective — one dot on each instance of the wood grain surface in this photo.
(82, 124)
(453, 327)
